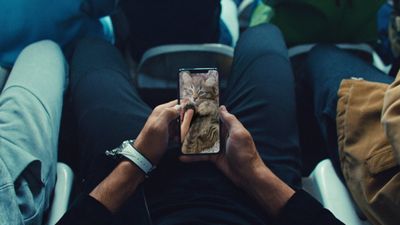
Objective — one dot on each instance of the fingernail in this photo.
(223, 108)
(178, 107)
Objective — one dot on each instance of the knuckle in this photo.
(157, 108)
(231, 117)
(154, 128)
(240, 134)
(169, 112)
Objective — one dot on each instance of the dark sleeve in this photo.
(86, 210)
(302, 209)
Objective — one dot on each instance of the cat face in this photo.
(199, 87)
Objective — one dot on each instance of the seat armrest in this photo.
(108, 28)
(62, 192)
(324, 185)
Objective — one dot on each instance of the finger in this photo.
(178, 107)
(187, 119)
(169, 114)
(182, 112)
(229, 120)
(188, 116)
(197, 158)
(166, 105)
(224, 133)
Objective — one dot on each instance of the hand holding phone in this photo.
(186, 118)
(199, 97)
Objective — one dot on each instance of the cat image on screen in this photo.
(200, 92)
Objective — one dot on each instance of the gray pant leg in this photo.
(30, 112)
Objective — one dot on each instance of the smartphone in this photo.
(199, 121)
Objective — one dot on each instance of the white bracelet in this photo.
(127, 150)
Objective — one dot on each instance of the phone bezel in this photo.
(199, 70)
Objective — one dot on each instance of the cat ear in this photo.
(186, 78)
(211, 81)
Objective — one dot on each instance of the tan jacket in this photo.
(368, 127)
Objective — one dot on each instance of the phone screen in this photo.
(199, 120)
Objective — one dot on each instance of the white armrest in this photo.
(62, 192)
(173, 48)
(324, 185)
(159, 66)
(108, 28)
(376, 60)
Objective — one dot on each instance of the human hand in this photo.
(186, 118)
(240, 160)
(242, 164)
(152, 141)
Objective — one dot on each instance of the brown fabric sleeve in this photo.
(391, 116)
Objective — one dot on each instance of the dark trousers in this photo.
(320, 77)
(260, 92)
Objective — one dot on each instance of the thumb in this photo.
(227, 118)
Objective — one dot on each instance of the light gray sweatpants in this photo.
(30, 112)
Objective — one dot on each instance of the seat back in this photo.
(363, 50)
(157, 73)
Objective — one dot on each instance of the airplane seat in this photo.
(324, 185)
(62, 193)
(157, 72)
(323, 182)
(108, 28)
(229, 16)
(363, 50)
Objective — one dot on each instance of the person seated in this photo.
(31, 102)
(356, 110)
(64, 22)
(153, 23)
(331, 21)
(30, 112)
(255, 180)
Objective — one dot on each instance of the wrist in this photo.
(270, 192)
(128, 151)
(140, 145)
(115, 189)
(254, 174)
(131, 171)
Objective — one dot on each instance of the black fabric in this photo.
(260, 92)
(253, 94)
(322, 72)
(86, 210)
(159, 22)
(302, 209)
